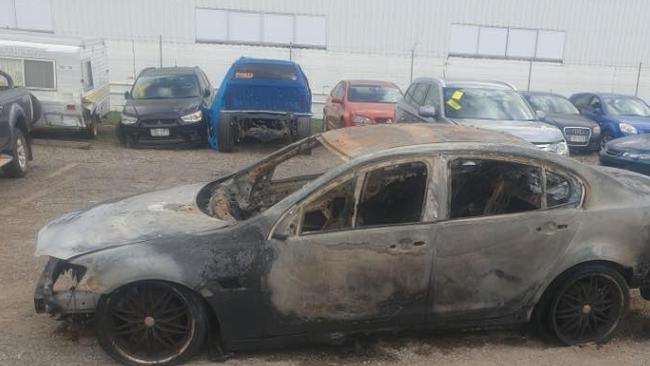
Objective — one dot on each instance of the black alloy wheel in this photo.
(151, 323)
(588, 307)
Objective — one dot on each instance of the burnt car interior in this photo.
(492, 187)
(485, 187)
(390, 195)
(266, 182)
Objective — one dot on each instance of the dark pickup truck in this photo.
(19, 109)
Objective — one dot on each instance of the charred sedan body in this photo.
(415, 226)
(166, 106)
(581, 133)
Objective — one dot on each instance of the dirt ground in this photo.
(63, 179)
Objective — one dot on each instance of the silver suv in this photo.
(491, 105)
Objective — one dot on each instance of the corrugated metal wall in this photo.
(603, 32)
(605, 39)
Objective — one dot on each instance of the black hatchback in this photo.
(166, 105)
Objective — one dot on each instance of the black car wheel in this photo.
(151, 323)
(585, 305)
(225, 134)
(20, 153)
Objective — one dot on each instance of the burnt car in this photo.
(580, 133)
(166, 106)
(407, 226)
(630, 152)
(19, 109)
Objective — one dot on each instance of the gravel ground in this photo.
(62, 179)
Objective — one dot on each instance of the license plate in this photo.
(578, 138)
(159, 132)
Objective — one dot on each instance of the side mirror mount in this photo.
(541, 115)
(427, 111)
(127, 95)
(337, 100)
(286, 228)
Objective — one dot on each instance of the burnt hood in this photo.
(162, 107)
(133, 220)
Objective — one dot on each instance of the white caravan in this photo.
(68, 76)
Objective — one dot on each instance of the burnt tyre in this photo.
(585, 306)
(151, 323)
(225, 133)
(20, 154)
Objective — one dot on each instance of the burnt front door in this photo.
(359, 256)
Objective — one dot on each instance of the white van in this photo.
(68, 76)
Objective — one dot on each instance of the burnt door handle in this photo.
(418, 243)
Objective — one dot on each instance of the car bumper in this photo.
(639, 166)
(178, 134)
(71, 300)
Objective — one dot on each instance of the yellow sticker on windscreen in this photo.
(453, 104)
(457, 95)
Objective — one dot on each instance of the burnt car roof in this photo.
(357, 141)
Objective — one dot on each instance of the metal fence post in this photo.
(638, 80)
(160, 48)
(412, 57)
(530, 73)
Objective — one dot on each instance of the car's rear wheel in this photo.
(20, 153)
(151, 323)
(585, 305)
(225, 134)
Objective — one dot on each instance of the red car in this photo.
(360, 102)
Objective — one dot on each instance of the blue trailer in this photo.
(260, 98)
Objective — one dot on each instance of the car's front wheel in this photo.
(151, 323)
(20, 153)
(585, 305)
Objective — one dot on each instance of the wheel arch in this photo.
(211, 312)
(626, 272)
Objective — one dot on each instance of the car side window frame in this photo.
(543, 166)
(431, 208)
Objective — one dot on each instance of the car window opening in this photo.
(486, 187)
(393, 195)
(390, 195)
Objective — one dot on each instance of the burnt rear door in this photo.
(358, 254)
(509, 221)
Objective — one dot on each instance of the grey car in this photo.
(485, 104)
(386, 227)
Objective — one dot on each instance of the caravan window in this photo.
(13, 67)
(87, 75)
(39, 74)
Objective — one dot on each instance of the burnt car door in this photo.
(356, 253)
(508, 222)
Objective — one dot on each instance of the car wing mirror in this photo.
(541, 115)
(427, 111)
(207, 92)
(127, 95)
(337, 100)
